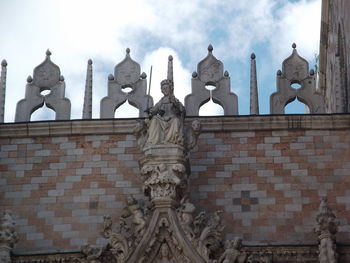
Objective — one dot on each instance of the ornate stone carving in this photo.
(162, 181)
(91, 254)
(127, 74)
(166, 118)
(210, 71)
(295, 69)
(233, 252)
(8, 237)
(46, 76)
(134, 210)
(326, 229)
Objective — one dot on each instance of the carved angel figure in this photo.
(91, 254)
(164, 256)
(233, 253)
(166, 118)
(185, 214)
(133, 209)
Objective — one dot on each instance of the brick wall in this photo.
(266, 173)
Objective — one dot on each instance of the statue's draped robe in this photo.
(166, 127)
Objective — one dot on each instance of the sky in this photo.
(78, 30)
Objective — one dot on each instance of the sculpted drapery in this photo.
(165, 124)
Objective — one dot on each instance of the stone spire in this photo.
(2, 89)
(254, 99)
(87, 108)
(326, 229)
(170, 69)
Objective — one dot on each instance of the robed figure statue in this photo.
(166, 118)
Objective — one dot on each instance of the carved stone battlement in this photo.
(46, 76)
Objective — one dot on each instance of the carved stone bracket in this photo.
(210, 71)
(46, 76)
(295, 70)
(127, 74)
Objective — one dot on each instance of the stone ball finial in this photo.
(90, 61)
(170, 58)
(143, 75)
(48, 52)
(4, 63)
(226, 74)
(279, 72)
(252, 56)
(61, 78)
(210, 48)
(312, 72)
(110, 77)
(128, 51)
(29, 79)
(294, 46)
(194, 74)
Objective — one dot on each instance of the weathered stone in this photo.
(126, 75)
(210, 71)
(46, 76)
(326, 228)
(8, 237)
(295, 69)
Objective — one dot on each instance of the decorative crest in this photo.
(210, 69)
(128, 71)
(47, 74)
(295, 68)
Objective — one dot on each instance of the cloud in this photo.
(101, 30)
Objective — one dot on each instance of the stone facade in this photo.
(334, 67)
(266, 173)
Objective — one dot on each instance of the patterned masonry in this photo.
(69, 182)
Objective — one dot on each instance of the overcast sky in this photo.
(76, 30)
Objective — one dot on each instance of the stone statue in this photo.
(185, 213)
(164, 255)
(233, 253)
(166, 118)
(91, 254)
(133, 209)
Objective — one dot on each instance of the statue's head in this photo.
(237, 243)
(130, 200)
(167, 87)
(164, 250)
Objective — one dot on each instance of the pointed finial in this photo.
(170, 75)
(4, 63)
(210, 48)
(90, 61)
(48, 52)
(252, 56)
(128, 51)
(294, 46)
(29, 79)
(143, 75)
